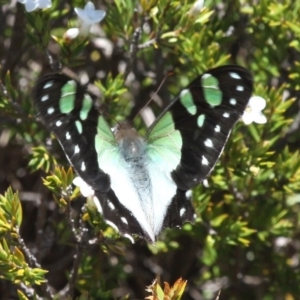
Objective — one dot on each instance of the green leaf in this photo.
(21, 295)
(19, 255)
(209, 254)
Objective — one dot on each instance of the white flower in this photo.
(31, 5)
(85, 189)
(71, 34)
(196, 8)
(253, 110)
(44, 3)
(89, 16)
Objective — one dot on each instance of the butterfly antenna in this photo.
(151, 98)
(109, 115)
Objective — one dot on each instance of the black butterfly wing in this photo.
(189, 136)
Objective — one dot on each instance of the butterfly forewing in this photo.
(204, 114)
(69, 113)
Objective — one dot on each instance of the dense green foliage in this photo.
(245, 241)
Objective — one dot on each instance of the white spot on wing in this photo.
(124, 220)
(232, 101)
(113, 225)
(85, 189)
(76, 149)
(98, 205)
(240, 88)
(234, 75)
(204, 161)
(50, 110)
(68, 136)
(226, 115)
(188, 194)
(45, 97)
(129, 237)
(83, 168)
(111, 206)
(182, 211)
(217, 128)
(58, 123)
(208, 143)
(205, 183)
(48, 84)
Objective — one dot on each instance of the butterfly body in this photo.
(141, 182)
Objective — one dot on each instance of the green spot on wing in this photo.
(200, 120)
(78, 126)
(86, 106)
(66, 102)
(186, 99)
(212, 93)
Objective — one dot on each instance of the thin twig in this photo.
(71, 222)
(29, 292)
(147, 44)
(131, 66)
(78, 234)
(54, 66)
(74, 272)
(32, 259)
(218, 296)
(34, 263)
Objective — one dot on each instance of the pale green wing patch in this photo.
(78, 126)
(200, 120)
(67, 99)
(186, 99)
(87, 104)
(105, 144)
(164, 144)
(212, 93)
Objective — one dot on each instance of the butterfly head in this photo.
(132, 145)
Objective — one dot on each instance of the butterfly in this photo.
(141, 182)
